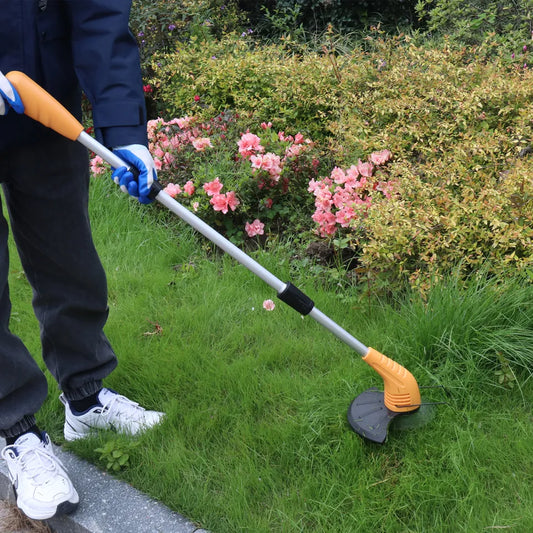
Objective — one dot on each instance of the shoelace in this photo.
(122, 407)
(37, 462)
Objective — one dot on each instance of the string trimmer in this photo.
(372, 411)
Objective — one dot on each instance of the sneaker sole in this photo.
(65, 507)
(72, 434)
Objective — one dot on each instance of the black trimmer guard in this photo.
(369, 417)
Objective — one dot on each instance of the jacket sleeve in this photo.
(106, 61)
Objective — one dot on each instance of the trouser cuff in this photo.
(87, 390)
(20, 427)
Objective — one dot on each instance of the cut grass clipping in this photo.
(256, 437)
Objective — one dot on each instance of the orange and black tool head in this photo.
(372, 411)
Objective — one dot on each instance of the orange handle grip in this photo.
(43, 107)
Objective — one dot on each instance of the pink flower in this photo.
(338, 175)
(341, 197)
(255, 228)
(249, 144)
(219, 203)
(195, 205)
(256, 161)
(344, 216)
(189, 188)
(380, 158)
(232, 200)
(326, 222)
(196, 98)
(184, 122)
(97, 165)
(213, 187)
(158, 152)
(294, 150)
(322, 194)
(175, 142)
(266, 125)
(202, 143)
(223, 202)
(147, 89)
(313, 185)
(172, 190)
(351, 176)
(269, 305)
(365, 169)
(269, 162)
(168, 159)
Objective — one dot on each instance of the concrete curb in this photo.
(107, 505)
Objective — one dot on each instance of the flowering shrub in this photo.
(345, 196)
(238, 182)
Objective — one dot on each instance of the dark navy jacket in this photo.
(65, 45)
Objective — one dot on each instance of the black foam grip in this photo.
(294, 297)
(155, 190)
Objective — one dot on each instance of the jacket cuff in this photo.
(121, 136)
(120, 124)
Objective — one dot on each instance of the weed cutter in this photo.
(372, 411)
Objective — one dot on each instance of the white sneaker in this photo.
(115, 413)
(41, 483)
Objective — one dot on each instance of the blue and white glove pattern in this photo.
(9, 97)
(138, 157)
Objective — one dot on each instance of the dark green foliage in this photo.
(159, 25)
(316, 15)
(470, 22)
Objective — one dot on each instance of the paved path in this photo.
(107, 505)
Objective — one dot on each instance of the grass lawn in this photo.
(256, 437)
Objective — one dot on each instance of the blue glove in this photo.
(9, 97)
(138, 156)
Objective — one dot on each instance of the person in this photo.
(66, 46)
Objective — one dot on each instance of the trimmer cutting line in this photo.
(372, 411)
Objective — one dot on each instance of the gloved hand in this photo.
(138, 156)
(9, 97)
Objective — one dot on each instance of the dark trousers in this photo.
(46, 191)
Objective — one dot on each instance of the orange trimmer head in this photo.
(372, 411)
